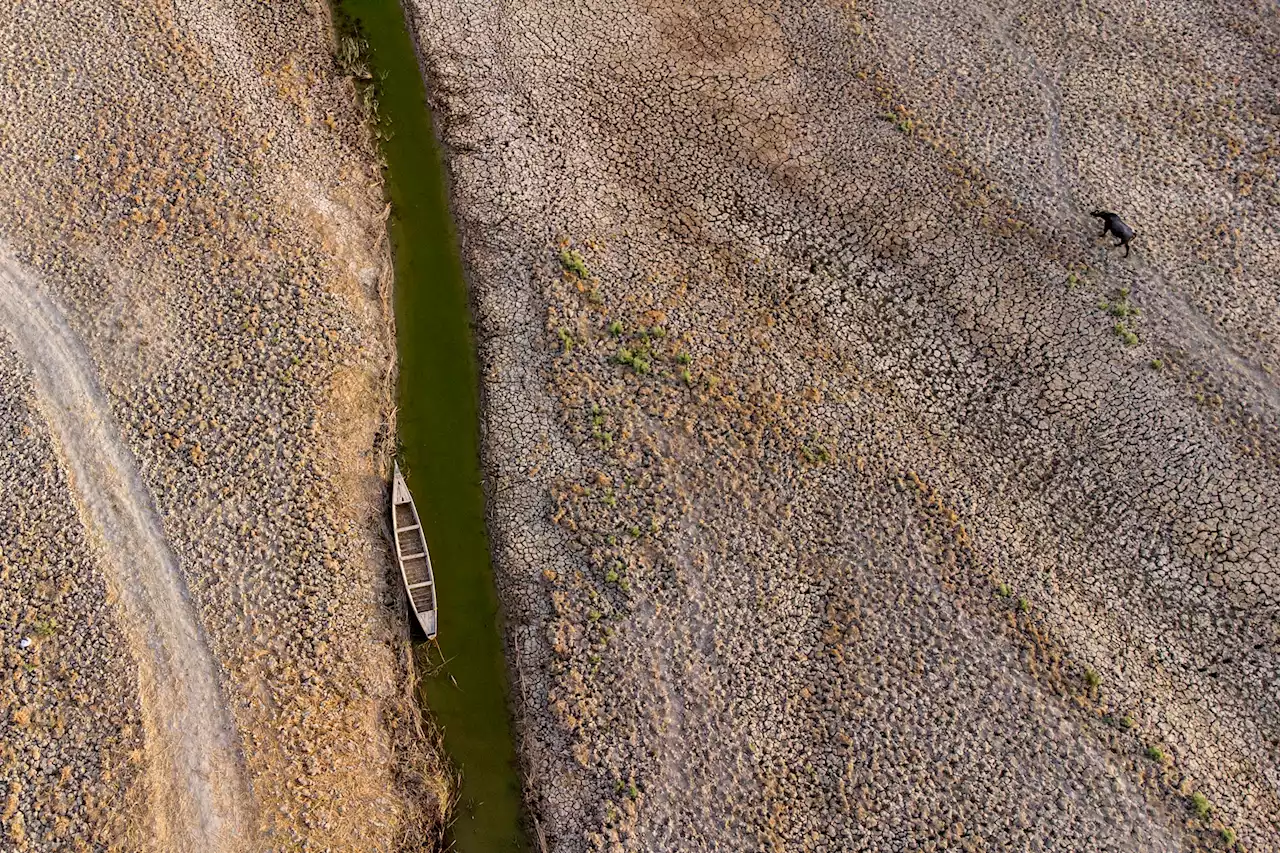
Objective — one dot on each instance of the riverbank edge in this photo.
(421, 768)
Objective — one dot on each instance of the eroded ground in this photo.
(848, 492)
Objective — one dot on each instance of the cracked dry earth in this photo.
(201, 650)
(847, 491)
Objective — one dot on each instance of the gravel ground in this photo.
(193, 183)
(847, 491)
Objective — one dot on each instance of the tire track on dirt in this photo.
(198, 796)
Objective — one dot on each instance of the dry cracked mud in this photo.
(202, 648)
(847, 490)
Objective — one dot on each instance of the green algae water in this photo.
(438, 423)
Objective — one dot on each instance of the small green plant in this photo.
(1157, 364)
(1125, 334)
(573, 262)
(45, 628)
(624, 356)
(611, 576)
(685, 376)
(632, 791)
(684, 358)
(1155, 753)
(1127, 723)
(815, 455)
(901, 119)
(658, 332)
(566, 339)
(1023, 605)
(640, 365)
(1091, 678)
(615, 328)
(1228, 836)
(594, 615)
(634, 531)
(609, 499)
(1200, 805)
(1072, 281)
(1003, 590)
(1121, 306)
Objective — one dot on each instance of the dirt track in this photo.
(193, 771)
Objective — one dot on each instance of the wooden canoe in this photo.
(411, 554)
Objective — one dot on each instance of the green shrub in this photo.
(1200, 805)
(1155, 753)
(573, 262)
(1125, 334)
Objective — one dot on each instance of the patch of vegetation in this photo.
(1125, 334)
(1228, 836)
(1120, 306)
(637, 359)
(684, 358)
(1023, 605)
(816, 454)
(1157, 364)
(599, 433)
(573, 262)
(45, 628)
(615, 328)
(1122, 309)
(1155, 753)
(1091, 678)
(352, 57)
(1200, 805)
(1003, 590)
(902, 118)
(566, 339)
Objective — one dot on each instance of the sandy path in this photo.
(198, 794)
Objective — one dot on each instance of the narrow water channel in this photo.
(438, 423)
